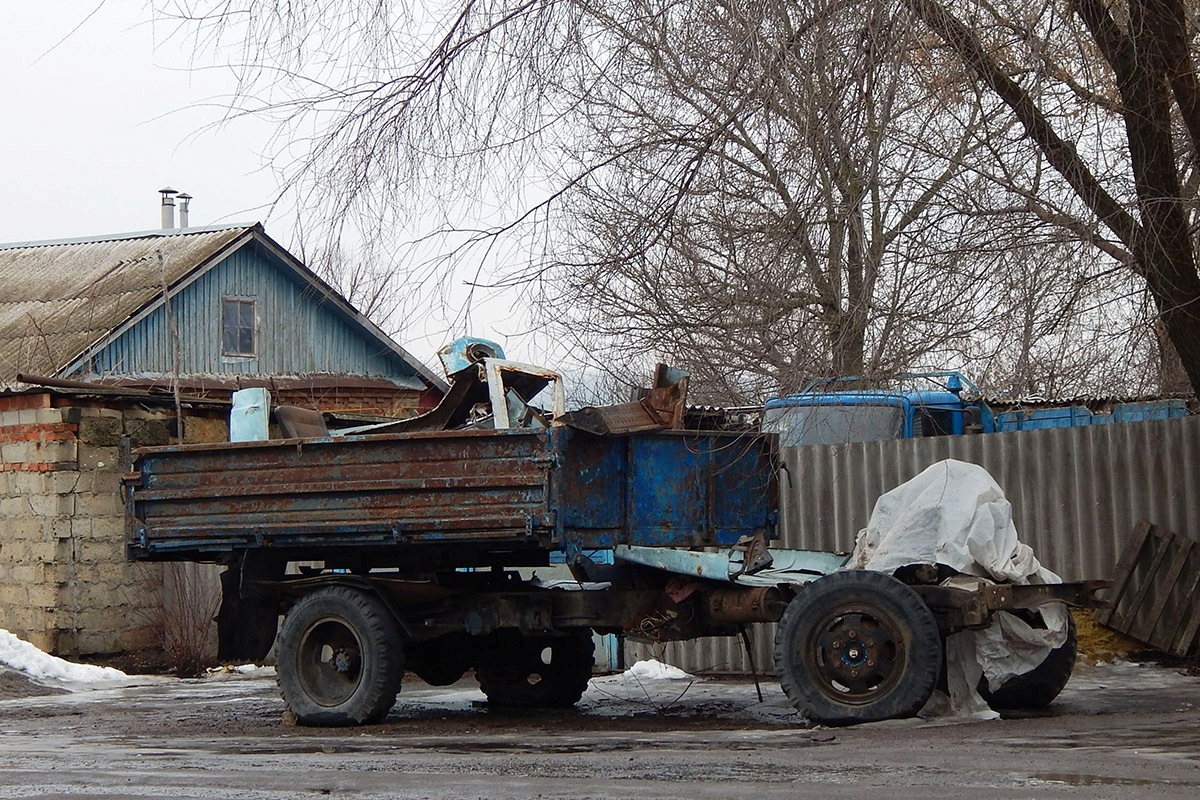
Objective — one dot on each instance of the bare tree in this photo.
(762, 190)
(773, 198)
(1126, 69)
(1058, 323)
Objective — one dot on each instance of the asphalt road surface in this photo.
(1118, 731)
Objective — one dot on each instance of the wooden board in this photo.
(1156, 591)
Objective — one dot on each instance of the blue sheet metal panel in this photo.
(1078, 416)
(699, 489)
(667, 492)
(1148, 411)
(745, 495)
(297, 331)
(589, 488)
(665, 489)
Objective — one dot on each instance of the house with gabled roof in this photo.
(209, 310)
(139, 339)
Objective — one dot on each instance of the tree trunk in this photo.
(1160, 240)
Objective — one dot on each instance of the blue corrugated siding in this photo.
(297, 331)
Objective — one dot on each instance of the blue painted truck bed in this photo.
(473, 496)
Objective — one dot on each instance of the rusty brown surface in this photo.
(662, 406)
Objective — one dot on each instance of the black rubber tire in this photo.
(857, 646)
(1038, 687)
(340, 658)
(248, 618)
(535, 671)
(441, 661)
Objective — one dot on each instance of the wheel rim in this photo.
(857, 655)
(330, 662)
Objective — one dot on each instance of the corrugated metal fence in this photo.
(1076, 495)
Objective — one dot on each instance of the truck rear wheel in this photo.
(1038, 687)
(441, 661)
(535, 671)
(340, 658)
(857, 646)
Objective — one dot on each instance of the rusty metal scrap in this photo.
(662, 406)
(958, 608)
(613, 420)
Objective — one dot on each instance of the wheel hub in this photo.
(330, 662)
(342, 661)
(855, 656)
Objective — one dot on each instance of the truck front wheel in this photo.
(857, 646)
(535, 671)
(340, 658)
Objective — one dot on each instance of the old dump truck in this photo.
(406, 547)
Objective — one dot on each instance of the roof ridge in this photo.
(116, 237)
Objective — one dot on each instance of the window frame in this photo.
(241, 301)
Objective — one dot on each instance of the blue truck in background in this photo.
(824, 413)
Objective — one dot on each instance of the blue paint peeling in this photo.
(559, 490)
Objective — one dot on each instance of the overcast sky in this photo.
(98, 120)
(102, 111)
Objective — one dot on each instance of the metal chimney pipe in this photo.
(168, 207)
(184, 199)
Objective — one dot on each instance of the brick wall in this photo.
(357, 401)
(65, 585)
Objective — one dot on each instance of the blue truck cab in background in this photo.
(929, 404)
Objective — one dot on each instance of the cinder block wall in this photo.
(65, 585)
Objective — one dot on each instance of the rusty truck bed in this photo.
(508, 496)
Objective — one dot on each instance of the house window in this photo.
(237, 327)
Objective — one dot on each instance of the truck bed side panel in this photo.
(500, 490)
(351, 492)
(666, 489)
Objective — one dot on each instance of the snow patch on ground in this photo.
(239, 669)
(651, 688)
(656, 670)
(25, 658)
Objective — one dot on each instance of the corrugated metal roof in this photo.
(116, 393)
(61, 297)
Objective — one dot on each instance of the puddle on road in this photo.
(1181, 740)
(480, 743)
(1072, 779)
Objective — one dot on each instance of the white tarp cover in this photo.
(955, 514)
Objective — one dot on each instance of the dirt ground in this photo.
(1118, 731)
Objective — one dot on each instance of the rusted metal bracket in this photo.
(957, 608)
(756, 557)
